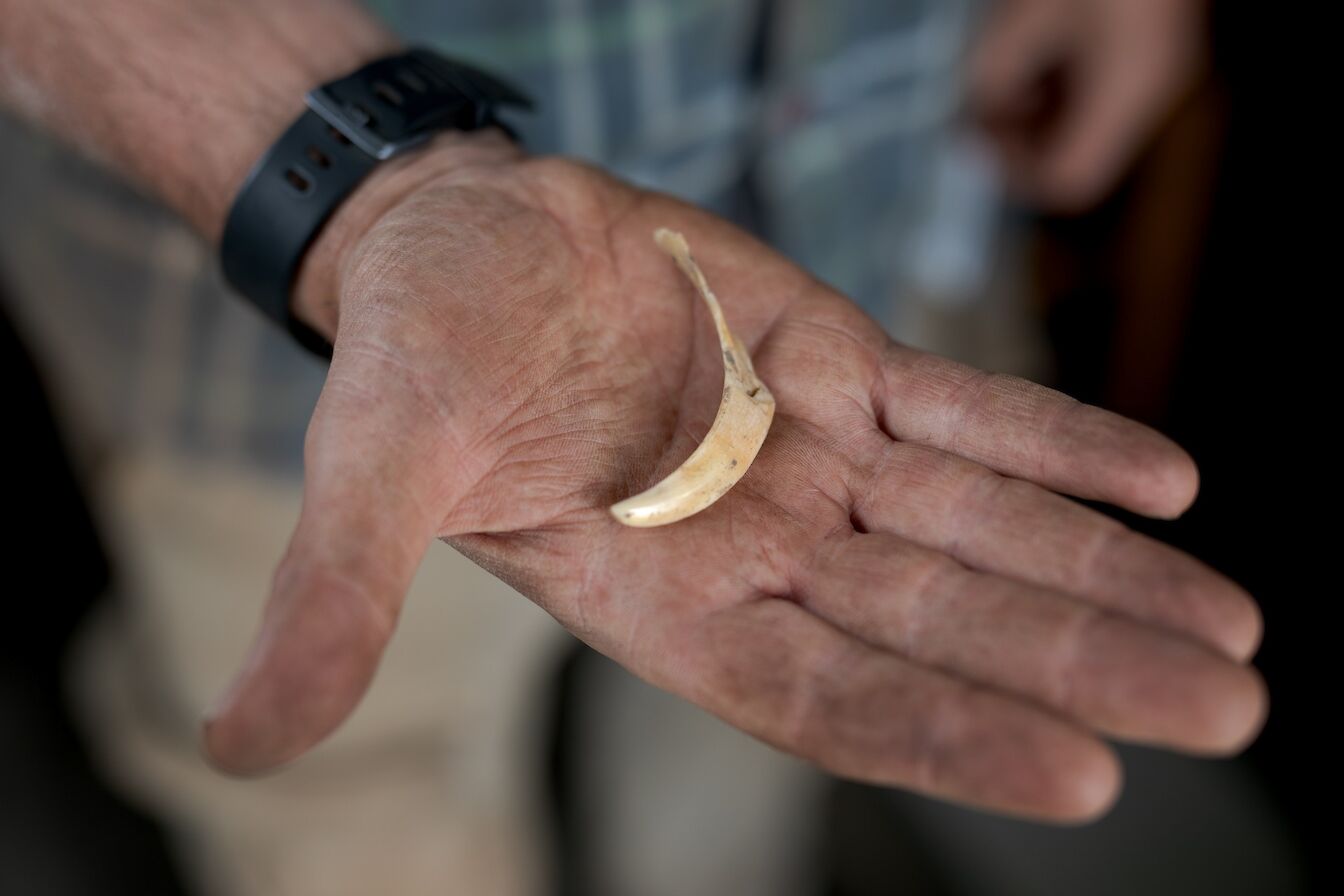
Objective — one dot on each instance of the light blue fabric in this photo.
(829, 150)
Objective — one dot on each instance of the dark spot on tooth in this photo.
(734, 463)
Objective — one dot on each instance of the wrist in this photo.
(452, 155)
(266, 105)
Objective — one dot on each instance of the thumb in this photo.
(336, 595)
(1018, 43)
(1122, 93)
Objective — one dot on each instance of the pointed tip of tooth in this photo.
(624, 510)
(630, 513)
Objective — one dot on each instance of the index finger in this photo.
(1027, 431)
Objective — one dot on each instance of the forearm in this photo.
(178, 97)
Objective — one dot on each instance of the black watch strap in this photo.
(383, 109)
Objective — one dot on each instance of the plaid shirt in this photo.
(825, 125)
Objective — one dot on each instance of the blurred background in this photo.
(546, 768)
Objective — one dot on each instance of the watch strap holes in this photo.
(338, 136)
(299, 180)
(431, 77)
(387, 93)
(411, 80)
(318, 157)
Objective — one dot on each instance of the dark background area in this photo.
(61, 830)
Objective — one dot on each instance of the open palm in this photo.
(894, 590)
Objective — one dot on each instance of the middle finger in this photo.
(1014, 528)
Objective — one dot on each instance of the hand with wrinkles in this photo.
(896, 590)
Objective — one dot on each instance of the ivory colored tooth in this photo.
(733, 440)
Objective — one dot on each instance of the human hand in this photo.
(893, 591)
(1070, 89)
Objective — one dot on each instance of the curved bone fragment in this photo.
(733, 440)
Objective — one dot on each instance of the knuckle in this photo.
(812, 720)
(932, 737)
(1064, 661)
(930, 582)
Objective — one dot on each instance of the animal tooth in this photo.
(739, 427)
